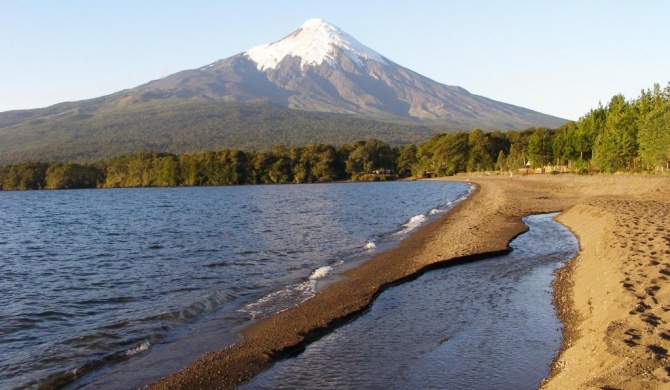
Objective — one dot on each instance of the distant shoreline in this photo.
(480, 227)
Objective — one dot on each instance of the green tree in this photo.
(616, 146)
(518, 151)
(588, 129)
(479, 158)
(281, 171)
(25, 176)
(167, 173)
(190, 174)
(70, 176)
(327, 167)
(406, 159)
(499, 141)
(563, 146)
(450, 154)
(654, 138)
(501, 163)
(262, 163)
(367, 156)
(540, 148)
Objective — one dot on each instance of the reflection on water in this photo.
(484, 325)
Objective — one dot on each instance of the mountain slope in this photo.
(317, 68)
(192, 126)
(321, 68)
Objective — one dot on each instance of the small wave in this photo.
(278, 301)
(193, 311)
(219, 264)
(104, 255)
(182, 289)
(51, 314)
(415, 221)
(140, 348)
(369, 245)
(107, 301)
(435, 211)
(412, 224)
(320, 273)
(61, 379)
(116, 325)
(246, 252)
(451, 204)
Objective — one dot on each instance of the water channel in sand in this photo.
(489, 324)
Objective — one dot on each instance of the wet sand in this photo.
(612, 298)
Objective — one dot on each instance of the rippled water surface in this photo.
(95, 278)
(483, 325)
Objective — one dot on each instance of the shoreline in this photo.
(479, 227)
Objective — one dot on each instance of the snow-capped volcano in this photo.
(315, 42)
(321, 68)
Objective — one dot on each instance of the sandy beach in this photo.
(613, 298)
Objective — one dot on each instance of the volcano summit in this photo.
(321, 68)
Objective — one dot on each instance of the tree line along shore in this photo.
(624, 135)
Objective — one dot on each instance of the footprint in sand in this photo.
(634, 336)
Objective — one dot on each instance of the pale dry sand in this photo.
(616, 327)
(615, 296)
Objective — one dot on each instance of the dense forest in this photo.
(363, 160)
(624, 135)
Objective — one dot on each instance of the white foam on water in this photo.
(412, 224)
(369, 245)
(140, 348)
(276, 302)
(415, 221)
(435, 211)
(451, 204)
(290, 296)
(320, 273)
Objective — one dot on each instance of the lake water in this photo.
(116, 288)
(483, 325)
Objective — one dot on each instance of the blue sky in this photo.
(556, 57)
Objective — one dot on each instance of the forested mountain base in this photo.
(622, 136)
(84, 134)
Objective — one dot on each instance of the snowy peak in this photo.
(321, 68)
(315, 42)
